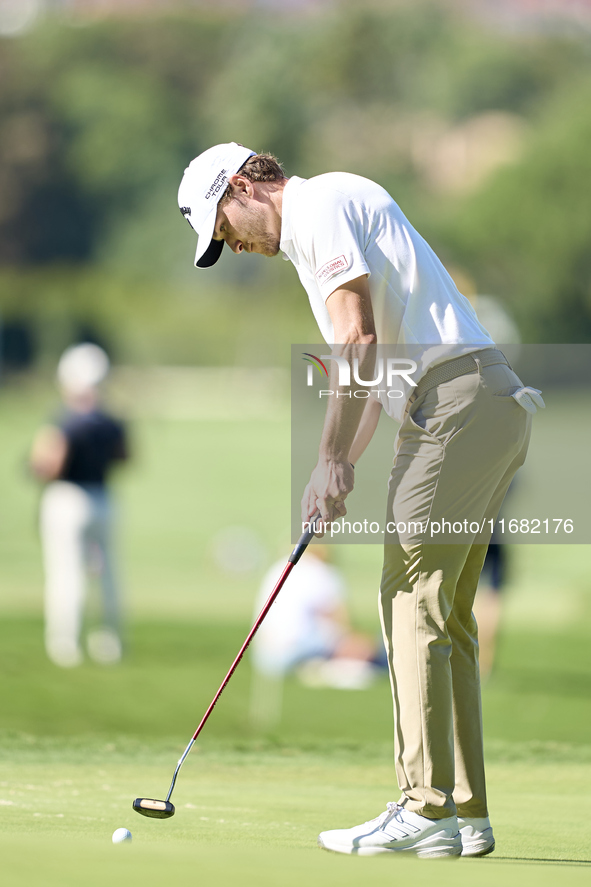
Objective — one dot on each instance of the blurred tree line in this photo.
(481, 136)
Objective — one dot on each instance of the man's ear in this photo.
(241, 185)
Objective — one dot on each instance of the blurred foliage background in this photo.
(478, 124)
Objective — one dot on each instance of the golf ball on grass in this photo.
(120, 835)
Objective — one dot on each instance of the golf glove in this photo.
(529, 398)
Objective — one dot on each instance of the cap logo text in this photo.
(218, 183)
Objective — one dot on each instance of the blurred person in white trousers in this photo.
(73, 455)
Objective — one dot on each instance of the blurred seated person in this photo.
(73, 455)
(307, 630)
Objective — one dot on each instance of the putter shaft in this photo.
(294, 557)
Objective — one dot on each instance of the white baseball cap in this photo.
(82, 367)
(204, 182)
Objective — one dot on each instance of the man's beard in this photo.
(256, 232)
(269, 246)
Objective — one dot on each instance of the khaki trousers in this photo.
(456, 452)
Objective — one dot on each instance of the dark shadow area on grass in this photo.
(525, 860)
(531, 681)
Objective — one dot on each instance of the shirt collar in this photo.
(290, 193)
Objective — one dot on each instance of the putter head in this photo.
(152, 808)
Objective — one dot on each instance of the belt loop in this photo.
(478, 364)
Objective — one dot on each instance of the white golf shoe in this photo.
(477, 836)
(63, 651)
(397, 831)
(104, 646)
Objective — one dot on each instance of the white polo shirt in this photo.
(338, 226)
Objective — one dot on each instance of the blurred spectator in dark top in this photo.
(73, 455)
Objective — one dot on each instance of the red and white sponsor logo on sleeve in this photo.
(329, 269)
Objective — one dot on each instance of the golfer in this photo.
(372, 281)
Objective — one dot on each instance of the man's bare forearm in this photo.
(345, 409)
(353, 325)
(365, 431)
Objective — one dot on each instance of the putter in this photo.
(165, 809)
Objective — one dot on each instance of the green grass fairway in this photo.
(92, 864)
(251, 815)
(77, 746)
(540, 692)
(250, 806)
